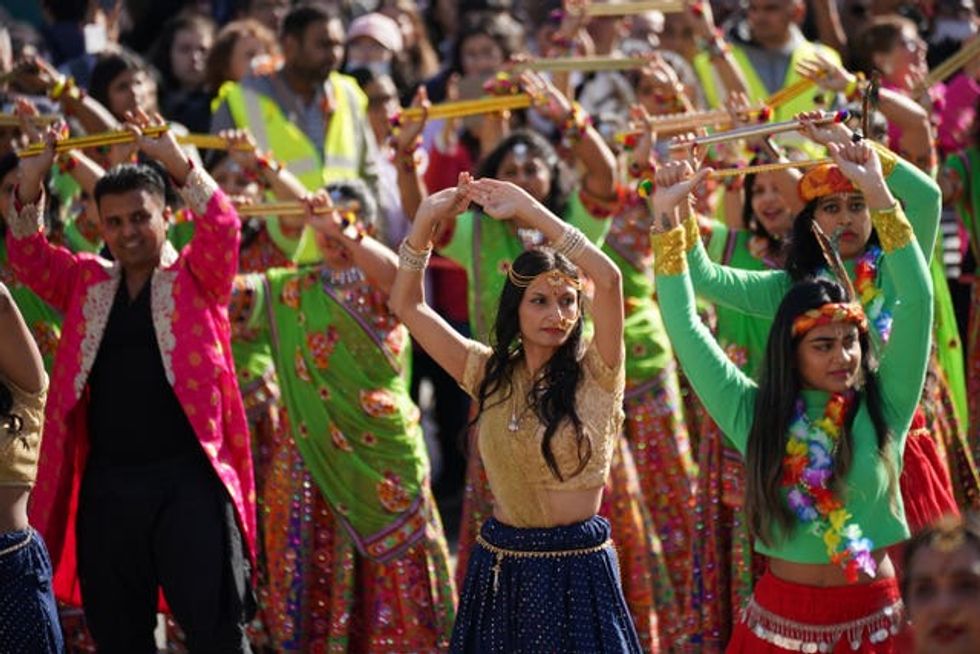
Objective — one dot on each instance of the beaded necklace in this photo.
(807, 468)
(869, 291)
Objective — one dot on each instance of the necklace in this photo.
(807, 468)
(342, 277)
(869, 292)
(517, 392)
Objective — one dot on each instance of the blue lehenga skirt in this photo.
(544, 590)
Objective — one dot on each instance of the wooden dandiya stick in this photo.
(956, 61)
(91, 141)
(476, 107)
(768, 168)
(790, 93)
(210, 142)
(12, 120)
(758, 130)
(636, 7)
(290, 209)
(690, 120)
(596, 63)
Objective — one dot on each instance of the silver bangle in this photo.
(411, 259)
(571, 243)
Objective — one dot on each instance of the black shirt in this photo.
(134, 416)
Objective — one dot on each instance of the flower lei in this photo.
(807, 468)
(870, 295)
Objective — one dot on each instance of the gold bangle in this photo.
(692, 232)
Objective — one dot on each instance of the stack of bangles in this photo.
(66, 87)
(571, 243)
(263, 162)
(412, 259)
(408, 159)
(575, 125)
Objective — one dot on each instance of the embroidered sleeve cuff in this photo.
(28, 220)
(888, 158)
(669, 252)
(198, 189)
(692, 232)
(477, 355)
(894, 230)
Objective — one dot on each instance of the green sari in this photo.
(340, 357)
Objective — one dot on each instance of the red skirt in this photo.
(783, 616)
(927, 491)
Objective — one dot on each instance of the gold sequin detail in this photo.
(894, 230)
(692, 231)
(888, 159)
(668, 252)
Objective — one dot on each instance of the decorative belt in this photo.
(17, 546)
(800, 637)
(500, 554)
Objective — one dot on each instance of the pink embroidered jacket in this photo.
(189, 299)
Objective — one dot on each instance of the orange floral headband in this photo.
(823, 180)
(831, 312)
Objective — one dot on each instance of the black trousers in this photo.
(168, 525)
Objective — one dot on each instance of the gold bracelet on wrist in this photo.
(669, 254)
(893, 228)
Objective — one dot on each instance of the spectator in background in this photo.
(240, 48)
(270, 13)
(374, 41)
(421, 56)
(180, 54)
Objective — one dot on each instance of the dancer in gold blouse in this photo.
(543, 575)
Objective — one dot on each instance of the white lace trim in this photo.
(28, 221)
(162, 299)
(197, 190)
(95, 313)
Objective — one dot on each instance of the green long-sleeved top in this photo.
(729, 397)
(759, 293)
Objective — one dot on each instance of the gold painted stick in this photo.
(290, 209)
(768, 168)
(582, 63)
(462, 108)
(679, 122)
(12, 120)
(91, 141)
(790, 93)
(210, 142)
(636, 7)
(758, 130)
(956, 61)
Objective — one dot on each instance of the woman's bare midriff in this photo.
(563, 507)
(13, 508)
(829, 574)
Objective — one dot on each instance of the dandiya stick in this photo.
(768, 168)
(462, 108)
(12, 120)
(953, 64)
(91, 141)
(691, 120)
(290, 208)
(758, 130)
(637, 7)
(790, 93)
(596, 63)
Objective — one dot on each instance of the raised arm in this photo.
(212, 255)
(20, 358)
(726, 392)
(407, 299)
(378, 262)
(599, 178)
(504, 201)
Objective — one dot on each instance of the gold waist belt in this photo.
(500, 554)
(800, 637)
(19, 545)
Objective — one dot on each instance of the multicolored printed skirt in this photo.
(544, 590)
(783, 616)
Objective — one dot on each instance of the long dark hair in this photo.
(552, 397)
(10, 422)
(775, 406)
(804, 258)
(749, 220)
(537, 146)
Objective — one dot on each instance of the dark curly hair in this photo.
(552, 396)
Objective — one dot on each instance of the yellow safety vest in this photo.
(287, 142)
(757, 90)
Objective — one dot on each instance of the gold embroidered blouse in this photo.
(19, 450)
(514, 464)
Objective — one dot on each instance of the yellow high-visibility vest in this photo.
(287, 142)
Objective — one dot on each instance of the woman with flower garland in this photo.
(355, 554)
(833, 203)
(822, 431)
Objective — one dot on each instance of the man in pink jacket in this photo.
(145, 479)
